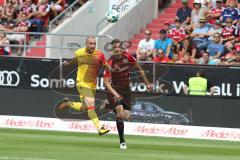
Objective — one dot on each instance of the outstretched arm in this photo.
(70, 63)
(143, 76)
(108, 68)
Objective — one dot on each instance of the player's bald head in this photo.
(90, 38)
(90, 44)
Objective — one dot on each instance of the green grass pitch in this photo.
(18, 144)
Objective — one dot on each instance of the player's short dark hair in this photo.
(115, 41)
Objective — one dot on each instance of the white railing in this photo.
(71, 45)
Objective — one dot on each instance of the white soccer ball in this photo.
(112, 16)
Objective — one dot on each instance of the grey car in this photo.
(149, 112)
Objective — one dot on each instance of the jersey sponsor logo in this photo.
(122, 62)
(9, 78)
(86, 60)
(125, 61)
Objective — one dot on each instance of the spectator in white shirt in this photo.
(145, 47)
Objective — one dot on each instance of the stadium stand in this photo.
(178, 29)
(24, 16)
(207, 18)
(168, 15)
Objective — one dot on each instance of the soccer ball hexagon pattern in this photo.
(112, 16)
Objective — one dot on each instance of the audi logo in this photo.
(9, 78)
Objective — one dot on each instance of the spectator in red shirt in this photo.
(160, 57)
(15, 3)
(229, 34)
(236, 62)
(228, 59)
(39, 17)
(175, 59)
(177, 34)
(26, 11)
(8, 12)
(215, 13)
(186, 59)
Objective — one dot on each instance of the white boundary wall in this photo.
(85, 20)
(82, 22)
(132, 21)
(144, 129)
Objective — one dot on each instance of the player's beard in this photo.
(90, 50)
(117, 54)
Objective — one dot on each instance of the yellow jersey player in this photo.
(89, 61)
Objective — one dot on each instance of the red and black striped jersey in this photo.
(177, 34)
(121, 65)
(229, 32)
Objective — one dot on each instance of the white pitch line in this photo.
(23, 158)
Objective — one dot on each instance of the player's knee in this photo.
(90, 108)
(120, 118)
(120, 115)
(120, 111)
(89, 101)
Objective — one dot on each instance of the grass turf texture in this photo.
(49, 145)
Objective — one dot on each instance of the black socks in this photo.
(120, 128)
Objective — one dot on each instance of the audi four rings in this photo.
(9, 78)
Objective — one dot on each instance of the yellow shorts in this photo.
(86, 91)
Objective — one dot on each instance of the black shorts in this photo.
(125, 102)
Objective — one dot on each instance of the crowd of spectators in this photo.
(208, 33)
(26, 16)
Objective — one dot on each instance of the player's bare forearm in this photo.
(110, 69)
(70, 63)
(107, 67)
(110, 88)
(142, 74)
(144, 78)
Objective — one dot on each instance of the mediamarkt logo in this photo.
(9, 78)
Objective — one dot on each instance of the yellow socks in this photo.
(76, 105)
(91, 113)
(93, 116)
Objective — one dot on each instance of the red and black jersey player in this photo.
(117, 85)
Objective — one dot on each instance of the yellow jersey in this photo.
(89, 66)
